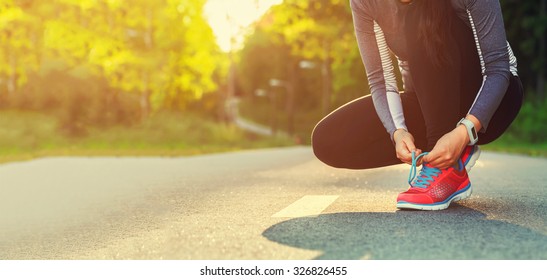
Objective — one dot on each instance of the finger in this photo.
(410, 145)
(404, 158)
(439, 162)
(419, 152)
(443, 165)
(407, 153)
(433, 157)
(439, 158)
(400, 155)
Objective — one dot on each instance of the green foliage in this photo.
(531, 124)
(319, 33)
(78, 104)
(260, 61)
(18, 34)
(526, 26)
(162, 51)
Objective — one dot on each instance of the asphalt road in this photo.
(278, 204)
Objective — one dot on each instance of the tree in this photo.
(163, 50)
(317, 35)
(318, 30)
(526, 24)
(18, 32)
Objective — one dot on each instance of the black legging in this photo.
(353, 136)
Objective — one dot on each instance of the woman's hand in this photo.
(449, 148)
(404, 145)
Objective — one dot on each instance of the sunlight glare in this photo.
(229, 18)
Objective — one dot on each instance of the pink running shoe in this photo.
(433, 188)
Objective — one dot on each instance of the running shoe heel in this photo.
(471, 158)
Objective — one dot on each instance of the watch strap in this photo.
(471, 131)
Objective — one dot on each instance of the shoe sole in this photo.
(472, 159)
(457, 196)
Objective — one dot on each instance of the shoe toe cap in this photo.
(413, 196)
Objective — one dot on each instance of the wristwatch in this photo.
(473, 138)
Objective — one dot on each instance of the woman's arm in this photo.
(486, 21)
(378, 64)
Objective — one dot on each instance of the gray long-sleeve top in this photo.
(378, 28)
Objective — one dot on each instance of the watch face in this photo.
(474, 133)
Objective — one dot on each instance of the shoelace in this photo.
(427, 174)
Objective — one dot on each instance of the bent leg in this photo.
(506, 113)
(353, 136)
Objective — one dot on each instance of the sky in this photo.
(241, 14)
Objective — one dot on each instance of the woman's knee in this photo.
(322, 142)
(506, 112)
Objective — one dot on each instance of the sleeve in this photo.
(486, 20)
(379, 67)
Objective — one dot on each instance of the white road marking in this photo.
(309, 205)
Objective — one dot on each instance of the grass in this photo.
(509, 144)
(27, 135)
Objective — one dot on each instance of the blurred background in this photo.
(179, 77)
